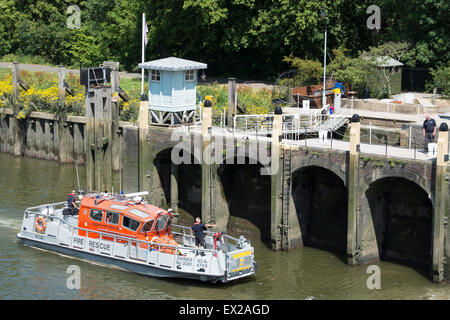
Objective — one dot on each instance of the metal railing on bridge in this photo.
(294, 124)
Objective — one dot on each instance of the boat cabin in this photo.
(123, 217)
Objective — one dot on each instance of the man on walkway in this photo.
(429, 131)
(198, 228)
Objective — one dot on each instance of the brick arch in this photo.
(404, 173)
(325, 164)
(399, 205)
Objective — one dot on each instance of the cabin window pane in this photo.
(147, 226)
(129, 223)
(190, 74)
(96, 215)
(169, 222)
(155, 75)
(112, 218)
(161, 222)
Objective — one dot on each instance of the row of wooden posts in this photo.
(93, 140)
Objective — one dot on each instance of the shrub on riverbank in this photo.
(42, 95)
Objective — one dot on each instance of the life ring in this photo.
(40, 224)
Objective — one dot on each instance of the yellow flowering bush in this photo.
(253, 101)
(129, 111)
(5, 89)
(41, 99)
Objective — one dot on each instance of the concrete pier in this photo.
(440, 215)
(353, 190)
(276, 182)
(207, 176)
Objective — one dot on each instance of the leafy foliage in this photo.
(441, 79)
(243, 38)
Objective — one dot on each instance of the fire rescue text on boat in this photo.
(126, 232)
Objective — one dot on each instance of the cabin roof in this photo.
(139, 211)
(173, 64)
(385, 61)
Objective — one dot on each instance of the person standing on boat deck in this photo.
(71, 203)
(429, 131)
(198, 228)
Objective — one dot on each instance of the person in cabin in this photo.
(198, 229)
(71, 203)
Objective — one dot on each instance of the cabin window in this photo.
(190, 74)
(161, 222)
(96, 215)
(155, 75)
(147, 226)
(129, 223)
(169, 222)
(112, 218)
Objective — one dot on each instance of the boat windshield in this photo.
(161, 222)
(147, 226)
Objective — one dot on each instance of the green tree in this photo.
(377, 59)
(308, 71)
(441, 79)
(353, 71)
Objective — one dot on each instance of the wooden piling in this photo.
(30, 138)
(107, 138)
(231, 111)
(48, 140)
(17, 125)
(78, 143)
(63, 126)
(89, 139)
(39, 138)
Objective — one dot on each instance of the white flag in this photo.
(145, 33)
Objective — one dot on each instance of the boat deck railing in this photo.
(129, 248)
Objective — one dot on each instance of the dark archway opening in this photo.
(320, 198)
(402, 217)
(189, 185)
(162, 163)
(247, 194)
(189, 191)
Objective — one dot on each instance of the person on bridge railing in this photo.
(429, 131)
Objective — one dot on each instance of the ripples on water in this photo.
(303, 273)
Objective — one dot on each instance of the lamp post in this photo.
(323, 16)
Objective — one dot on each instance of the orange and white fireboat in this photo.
(126, 232)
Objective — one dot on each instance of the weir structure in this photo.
(355, 201)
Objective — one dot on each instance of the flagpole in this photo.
(143, 52)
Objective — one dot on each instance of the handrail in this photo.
(112, 235)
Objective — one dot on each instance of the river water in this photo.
(304, 273)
